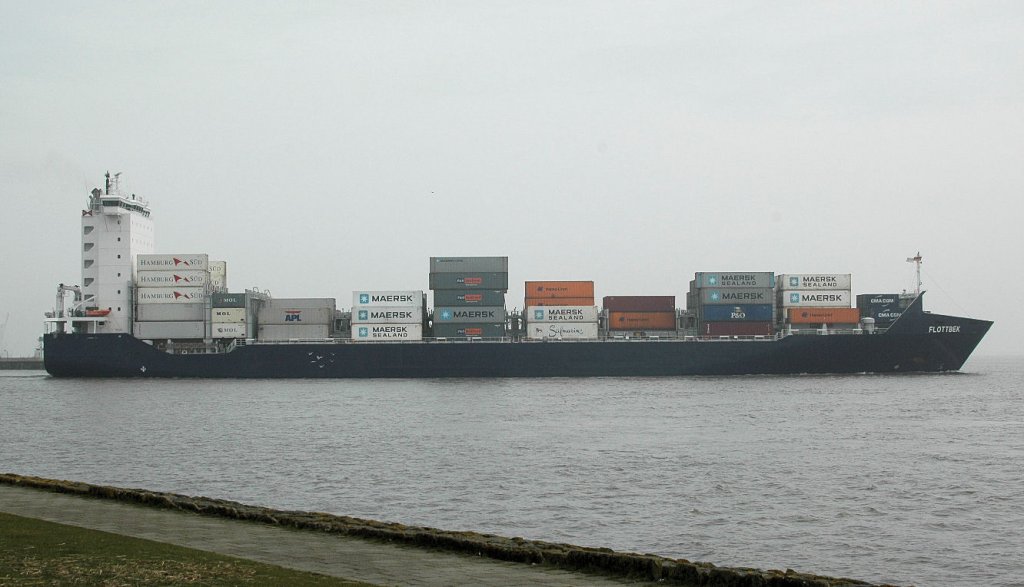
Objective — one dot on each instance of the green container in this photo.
(229, 300)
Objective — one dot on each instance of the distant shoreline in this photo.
(21, 364)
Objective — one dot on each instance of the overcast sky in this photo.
(321, 147)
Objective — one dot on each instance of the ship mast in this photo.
(917, 260)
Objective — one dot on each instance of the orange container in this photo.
(560, 289)
(558, 302)
(824, 315)
(641, 320)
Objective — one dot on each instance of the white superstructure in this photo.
(115, 229)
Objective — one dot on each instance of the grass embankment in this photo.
(35, 552)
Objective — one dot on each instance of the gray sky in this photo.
(321, 147)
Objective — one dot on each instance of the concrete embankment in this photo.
(21, 364)
(518, 550)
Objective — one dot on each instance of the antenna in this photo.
(917, 260)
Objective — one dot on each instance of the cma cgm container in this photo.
(815, 299)
(883, 308)
(704, 279)
(474, 330)
(229, 330)
(455, 297)
(641, 320)
(559, 289)
(197, 261)
(170, 312)
(559, 331)
(387, 298)
(494, 281)
(530, 302)
(228, 300)
(814, 281)
(736, 329)
(561, 314)
(228, 315)
(170, 295)
(191, 278)
(462, 314)
(737, 295)
(823, 315)
(737, 313)
(469, 264)
(386, 332)
(162, 330)
(387, 315)
(297, 331)
(640, 303)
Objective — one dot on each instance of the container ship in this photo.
(138, 313)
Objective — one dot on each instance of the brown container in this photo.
(640, 303)
(736, 329)
(823, 315)
(560, 289)
(558, 302)
(641, 320)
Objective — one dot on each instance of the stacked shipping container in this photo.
(738, 303)
(228, 315)
(170, 296)
(296, 318)
(560, 310)
(469, 296)
(640, 313)
(884, 309)
(381, 316)
(817, 300)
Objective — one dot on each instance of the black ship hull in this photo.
(917, 342)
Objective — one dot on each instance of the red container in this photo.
(558, 302)
(640, 303)
(641, 320)
(736, 329)
(824, 315)
(560, 289)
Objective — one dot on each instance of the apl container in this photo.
(386, 332)
(284, 315)
(823, 315)
(170, 295)
(815, 299)
(814, 281)
(228, 315)
(640, 303)
(559, 289)
(736, 313)
(469, 330)
(734, 279)
(469, 264)
(483, 297)
(228, 300)
(493, 281)
(642, 320)
(463, 314)
(561, 314)
(387, 315)
(736, 329)
(558, 331)
(293, 331)
(189, 278)
(737, 295)
(387, 298)
(170, 312)
(530, 302)
(165, 330)
(197, 261)
(228, 330)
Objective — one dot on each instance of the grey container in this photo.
(737, 295)
(469, 264)
(286, 315)
(469, 315)
(170, 312)
(482, 330)
(301, 303)
(457, 297)
(229, 300)
(164, 330)
(466, 281)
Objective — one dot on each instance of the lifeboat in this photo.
(97, 313)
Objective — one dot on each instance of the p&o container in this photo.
(737, 313)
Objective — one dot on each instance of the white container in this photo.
(292, 315)
(468, 314)
(297, 331)
(815, 299)
(301, 303)
(236, 330)
(187, 278)
(170, 312)
(387, 298)
(386, 332)
(387, 315)
(558, 331)
(170, 295)
(814, 281)
(195, 261)
(561, 314)
(228, 315)
(164, 330)
(219, 275)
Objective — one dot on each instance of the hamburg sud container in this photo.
(228, 300)
(170, 295)
(196, 261)
(228, 315)
(561, 314)
(219, 275)
(641, 320)
(386, 332)
(737, 295)
(467, 280)
(884, 308)
(560, 331)
(464, 315)
(560, 289)
(488, 330)
(815, 299)
(297, 311)
(387, 315)
(531, 302)
(469, 264)
(170, 312)
(737, 313)
(640, 303)
(290, 331)
(813, 281)
(190, 277)
(734, 279)
(482, 297)
(736, 329)
(387, 298)
(823, 315)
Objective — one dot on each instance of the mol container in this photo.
(561, 314)
(464, 280)
(196, 261)
(469, 264)
(823, 315)
(228, 300)
(737, 313)
(229, 330)
(734, 279)
(290, 331)
(736, 329)
(559, 289)
(737, 295)
(483, 297)
(170, 295)
(387, 315)
(462, 314)
(559, 331)
(386, 332)
(470, 330)
(640, 303)
(531, 302)
(815, 299)
(170, 312)
(228, 315)
(387, 298)
(814, 281)
(162, 330)
(641, 320)
(190, 278)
